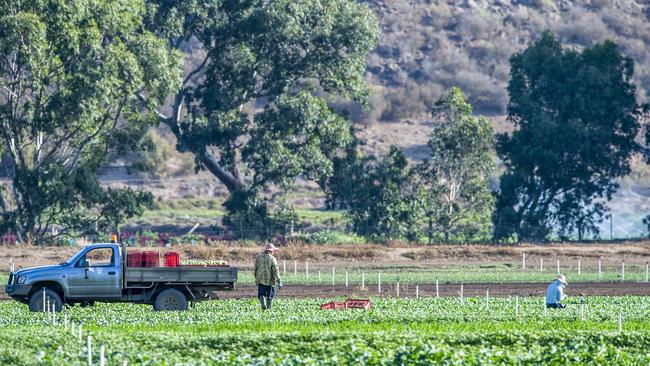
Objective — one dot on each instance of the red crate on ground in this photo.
(358, 304)
(134, 259)
(150, 259)
(348, 304)
(333, 305)
(172, 259)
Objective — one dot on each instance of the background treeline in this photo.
(259, 95)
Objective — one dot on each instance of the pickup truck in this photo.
(98, 272)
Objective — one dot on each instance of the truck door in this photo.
(96, 274)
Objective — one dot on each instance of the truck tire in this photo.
(170, 300)
(36, 300)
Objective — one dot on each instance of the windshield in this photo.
(74, 257)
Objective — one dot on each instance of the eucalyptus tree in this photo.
(71, 73)
(456, 176)
(253, 109)
(576, 120)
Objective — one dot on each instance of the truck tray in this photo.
(182, 274)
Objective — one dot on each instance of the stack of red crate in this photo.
(172, 259)
(150, 259)
(134, 259)
(143, 259)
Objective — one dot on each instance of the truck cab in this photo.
(98, 272)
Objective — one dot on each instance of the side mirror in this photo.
(83, 263)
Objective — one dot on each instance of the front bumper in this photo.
(17, 291)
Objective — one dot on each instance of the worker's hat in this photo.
(562, 279)
(270, 248)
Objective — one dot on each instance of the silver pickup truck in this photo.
(99, 272)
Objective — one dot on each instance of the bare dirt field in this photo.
(369, 255)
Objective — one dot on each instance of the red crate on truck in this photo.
(172, 259)
(150, 259)
(134, 259)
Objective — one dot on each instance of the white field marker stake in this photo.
(101, 356)
(544, 303)
(487, 299)
(333, 275)
(620, 319)
(397, 288)
(379, 282)
(65, 322)
(600, 268)
(541, 264)
(320, 279)
(517, 303)
(523, 260)
(363, 280)
(437, 287)
(346, 279)
(417, 291)
(90, 352)
(44, 299)
(72, 328)
(295, 268)
(284, 267)
(622, 271)
(578, 266)
(307, 268)
(558, 266)
(461, 293)
(646, 271)
(11, 264)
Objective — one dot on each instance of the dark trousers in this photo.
(559, 305)
(265, 294)
(266, 291)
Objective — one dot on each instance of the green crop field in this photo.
(397, 331)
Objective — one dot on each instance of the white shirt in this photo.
(555, 292)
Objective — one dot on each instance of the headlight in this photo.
(20, 280)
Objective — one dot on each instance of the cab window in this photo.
(100, 257)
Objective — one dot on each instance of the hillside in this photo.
(429, 46)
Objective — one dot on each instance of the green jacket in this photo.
(266, 270)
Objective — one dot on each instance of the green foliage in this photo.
(459, 200)
(411, 331)
(576, 120)
(385, 200)
(331, 237)
(285, 56)
(74, 79)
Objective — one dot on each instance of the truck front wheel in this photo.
(36, 301)
(170, 299)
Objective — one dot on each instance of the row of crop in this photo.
(603, 310)
(48, 346)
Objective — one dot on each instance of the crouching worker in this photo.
(267, 276)
(555, 293)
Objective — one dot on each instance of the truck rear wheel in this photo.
(36, 301)
(170, 300)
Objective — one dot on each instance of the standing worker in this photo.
(267, 276)
(555, 293)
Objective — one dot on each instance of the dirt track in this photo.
(469, 289)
